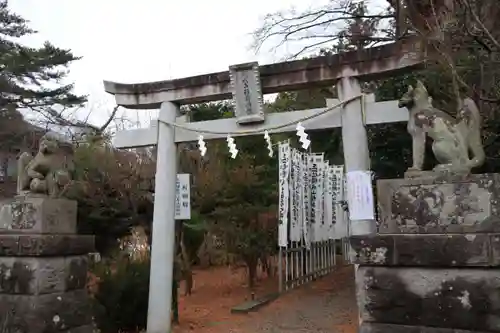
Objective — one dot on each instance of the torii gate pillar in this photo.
(163, 235)
(355, 141)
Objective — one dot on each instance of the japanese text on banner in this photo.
(315, 161)
(306, 201)
(284, 192)
(295, 197)
(341, 224)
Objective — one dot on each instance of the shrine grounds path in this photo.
(325, 305)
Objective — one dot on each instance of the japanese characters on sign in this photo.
(329, 203)
(183, 197)
(284, 155)
(315, 160)
(295, 197)
(339, 215)
(360, 195)
(247, 93)
(306, 200)
(310, 195)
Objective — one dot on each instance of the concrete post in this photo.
(355, 142)
(163, 238)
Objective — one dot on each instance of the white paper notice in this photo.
(183, 197)
(360, 195)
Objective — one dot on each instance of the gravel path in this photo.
(325, 305)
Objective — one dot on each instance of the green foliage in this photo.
(112, 188)
(241, 215)
(31, 77)
(193, 234)
(121, 301)
(235, 197)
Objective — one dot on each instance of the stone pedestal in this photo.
(43, 267)
(434, 267)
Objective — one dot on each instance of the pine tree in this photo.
(30, 77)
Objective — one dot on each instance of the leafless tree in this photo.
(322, 27)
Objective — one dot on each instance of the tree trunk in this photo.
(251, 262)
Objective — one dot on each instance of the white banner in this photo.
(360, 195)
(295, 197)
(315, 161)
(306, 201)
(284, 192)
(329, 202)
(339, 214)
(322, 235)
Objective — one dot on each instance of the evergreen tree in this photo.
(30, 77)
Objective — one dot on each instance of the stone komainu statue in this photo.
(45, 173)
(453, 138)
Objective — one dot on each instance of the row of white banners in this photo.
(310, 195)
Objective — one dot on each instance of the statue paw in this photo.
(441, 167)
(38, 186)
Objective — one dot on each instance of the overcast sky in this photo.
(139, 41)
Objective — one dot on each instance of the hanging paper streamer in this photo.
(315, 160)
(269, 144)
(201, 145)
(284, 192)
(302, 136)
(295, 189)
(232, 146)
(306, 200)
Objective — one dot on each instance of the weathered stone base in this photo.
(437, 203)
(45, 313)
(43, 283)
(428, 283)
(38, 215)
(81, 329)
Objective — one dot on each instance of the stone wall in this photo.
(43, 267)
(435, 265)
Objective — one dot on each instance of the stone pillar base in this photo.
(43, 283)
(433, 283)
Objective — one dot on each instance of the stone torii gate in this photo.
(344, 70)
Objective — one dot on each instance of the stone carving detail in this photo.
(47, 173)
(440, 205)
(451, 204)
(453, 138)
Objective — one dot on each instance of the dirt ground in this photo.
(325, 305)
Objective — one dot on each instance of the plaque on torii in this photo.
(247, 93)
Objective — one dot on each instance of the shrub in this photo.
(121, 298)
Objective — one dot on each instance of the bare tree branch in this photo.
(319, 26)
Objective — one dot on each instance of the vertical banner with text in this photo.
(306, 200)
(340, 218)
(329, 202)
(295, 197)
(284, 192)
(315, 160)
